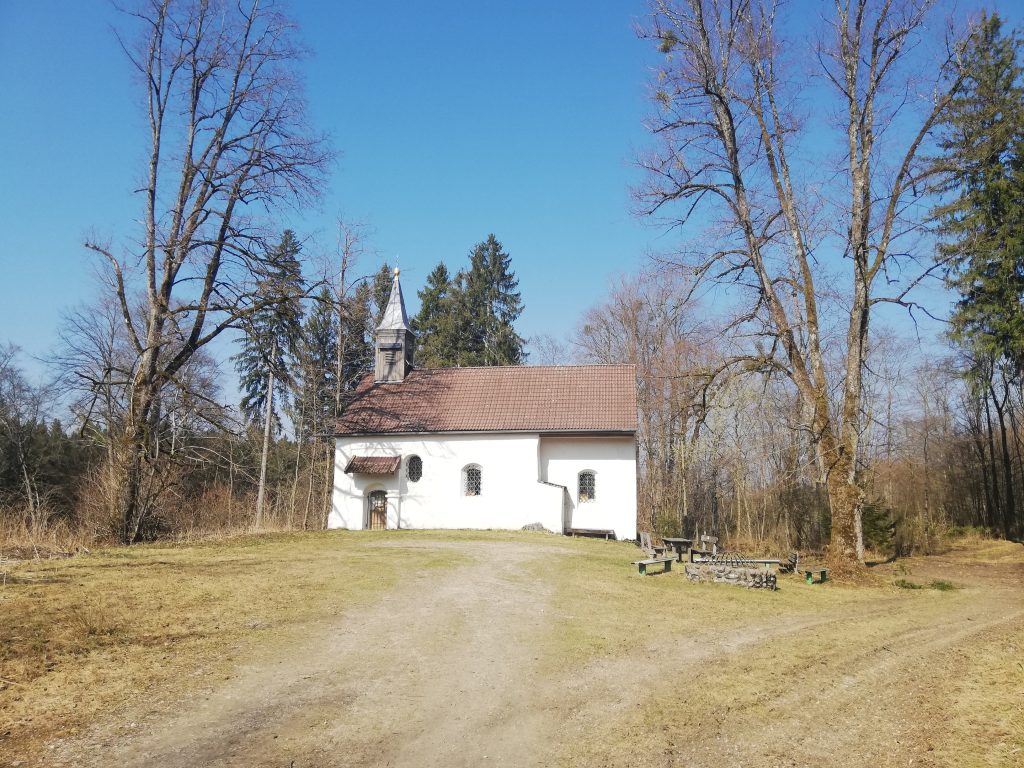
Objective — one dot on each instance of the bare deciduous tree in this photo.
(646, 323)
(23, 408)
(733, 145)
(227, 141)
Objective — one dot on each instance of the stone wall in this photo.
(754, 578)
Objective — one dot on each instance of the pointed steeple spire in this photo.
(394, 339)
(395, 317)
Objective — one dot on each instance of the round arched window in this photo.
(414, 469)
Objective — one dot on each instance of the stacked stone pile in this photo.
(754, 578)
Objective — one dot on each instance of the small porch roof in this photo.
(373, 465)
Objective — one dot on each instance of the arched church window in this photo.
(414, 469)
(472, 477)
(587, 486)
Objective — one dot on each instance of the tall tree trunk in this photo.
(1010, 507)
(313, 451)
(134, 441)
(1016, 434)
(29, 495)
(128, 486)
(267, 423)
(231, 477)
(298, 461)
(994, 467)
(988, 504)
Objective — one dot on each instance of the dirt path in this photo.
(441, 671)
(441, 667)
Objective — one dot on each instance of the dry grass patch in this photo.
(987, 685)
(875, 674)
(95, 634)
(604, 608)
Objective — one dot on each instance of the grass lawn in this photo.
(97, 637)
(92, 634)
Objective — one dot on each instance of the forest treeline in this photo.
(265, 463)
(941, 449)
(775, 408)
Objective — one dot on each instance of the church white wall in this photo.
(613, 460)
(511, 495)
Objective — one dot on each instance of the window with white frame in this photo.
(587, 486)
(471, 480)
(414, 469)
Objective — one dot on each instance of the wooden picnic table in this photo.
(679, 545)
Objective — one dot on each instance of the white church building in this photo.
(498, 447)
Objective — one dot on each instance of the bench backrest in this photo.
(709, 542)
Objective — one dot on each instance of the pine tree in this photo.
(502, 345)
(983, 230)
(381, 291)
(270, 344)
(487, 307)
(983, 226)
(316, 373)
(469, 319)
(433, 325)
(357, 337)
(313, 413)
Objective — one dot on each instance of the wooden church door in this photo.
(378, 502)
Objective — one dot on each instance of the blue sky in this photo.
(453, 120)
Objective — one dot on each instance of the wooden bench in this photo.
(648, 546)
(696, 555)
(810, 572)
(790, 564)
(709, 542)
(665, 561)
(592, 533)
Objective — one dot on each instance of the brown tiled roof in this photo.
(559, 398)
(373, 465)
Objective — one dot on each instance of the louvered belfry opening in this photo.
(394, 339)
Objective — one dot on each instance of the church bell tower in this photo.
(394, 342)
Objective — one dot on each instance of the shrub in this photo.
(904, 584)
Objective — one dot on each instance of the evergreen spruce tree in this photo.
(469, 312)
(313, 413)
(380, 292)
(488, 306)
(270, 344)
(502, 345)
(356, 336)
(983, 233)
(433, 326)
(982, 227)
(316, 373)
(469, 319)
